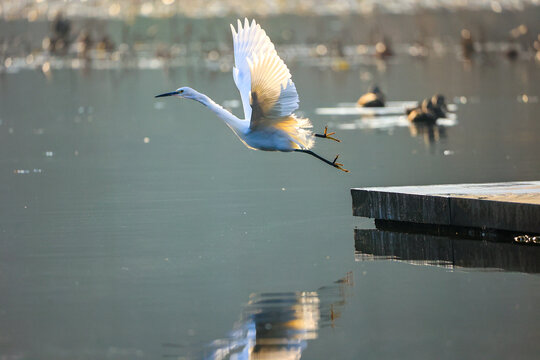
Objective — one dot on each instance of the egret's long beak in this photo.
(167, 94)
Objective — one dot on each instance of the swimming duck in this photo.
(373, 98)
(429, 111)
(512, 53)
(467, 44)
(383, 49)
(60, 39)
(437, 104)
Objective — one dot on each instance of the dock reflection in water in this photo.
(278, 325)
(449, 252)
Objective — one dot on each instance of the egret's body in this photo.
(269, 98)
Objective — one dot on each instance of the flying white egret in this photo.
(268, 95)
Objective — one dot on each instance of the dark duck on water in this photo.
(429, 110)
(373, 98)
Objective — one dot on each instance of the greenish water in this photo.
(116, 248)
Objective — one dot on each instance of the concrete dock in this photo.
(510, 206)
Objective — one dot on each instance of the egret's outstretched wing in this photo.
(263, 79)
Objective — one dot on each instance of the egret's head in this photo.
(183, 92)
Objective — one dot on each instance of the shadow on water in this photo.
(444, 251)
(277, 325)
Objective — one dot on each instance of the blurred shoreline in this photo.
(115, 9)
(323, 41)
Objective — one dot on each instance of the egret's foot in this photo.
(327, 135)
(338, 165)
(331, 163)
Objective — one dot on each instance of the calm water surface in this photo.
(188, 245)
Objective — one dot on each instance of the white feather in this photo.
(252, 45)
(270, 75)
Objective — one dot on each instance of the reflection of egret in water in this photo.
(278, 325)
(411, 246)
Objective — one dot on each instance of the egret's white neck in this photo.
(234, 123)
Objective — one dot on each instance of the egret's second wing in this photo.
(259, 70)
(273, 94)
(273, 99)
(251, 39)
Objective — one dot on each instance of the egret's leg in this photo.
(331, 163)
(327, 135)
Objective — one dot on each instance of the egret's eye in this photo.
(181, 91)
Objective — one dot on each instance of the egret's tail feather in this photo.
(298, 130)
(304, 133)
